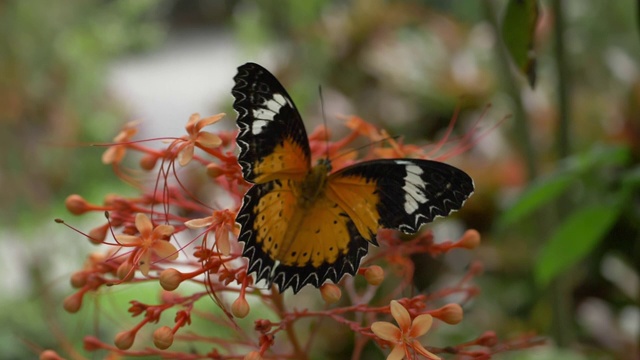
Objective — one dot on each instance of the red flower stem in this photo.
(277, 299)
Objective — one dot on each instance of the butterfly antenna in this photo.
(324, 121)
(396, 137)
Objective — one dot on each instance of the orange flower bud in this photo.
(98, 234)
(331, 293)
(240, 308)
(470, 239)
(450, 313)
(170, 279)
(374, 275)
(73, 302)
(50, 355)
(214, 170)
(125, 271)
(78, 279)
(163, 337)
(76, 204)
(124, 339)
(489, 339)
(148, 162)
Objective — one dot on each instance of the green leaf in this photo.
(538, 194)
(518, 32)
(543, 190)
(574, 239)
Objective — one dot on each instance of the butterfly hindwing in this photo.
(292, 247)
(272, 140)
(401, 193)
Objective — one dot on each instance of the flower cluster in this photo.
(179, 238)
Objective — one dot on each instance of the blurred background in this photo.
(556, 167)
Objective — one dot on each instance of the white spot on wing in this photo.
(413, 187)
(263, 115)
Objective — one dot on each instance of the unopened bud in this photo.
(450, 313)
(125, 271)
(76, 204)
(148, 162)
(78, 279)
(240, 308)
(374, 275)
(488, 339)
(470, 239)
(331, 293)
(170, 279)
(73, 302)
(98, 234)
(214, 170)
(163, 337)
(124, 339)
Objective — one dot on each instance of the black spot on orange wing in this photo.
(325, 246)
(347, 262)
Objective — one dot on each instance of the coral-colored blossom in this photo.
(149, 243)
(198, 137)
(404, 337)
(115, 153)
(222, 222)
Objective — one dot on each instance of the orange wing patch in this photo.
(287, 160)
(294, 246)
(272, 214)
(316, 235)
(296, 236)
(359, 199)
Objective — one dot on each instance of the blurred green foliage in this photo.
(53, 100)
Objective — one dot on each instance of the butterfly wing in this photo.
(292, 247)
(272, 140)
(398, 193)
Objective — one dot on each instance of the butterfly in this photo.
(304, 224)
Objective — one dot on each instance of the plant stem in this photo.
(278, 302)
(561, 287)
(519, 117)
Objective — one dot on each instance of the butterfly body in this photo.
(304, 224)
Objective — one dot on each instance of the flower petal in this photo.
(386, 331)
(191, 123)
(401, 315)
(144, 263)
(114, 154)
(208, 139)
(398, 352)
(210, 120)
(161, 231)
(424, 352)
(420, 325)
(199, 223)
(143, 224)
(128, 239)
(165, 250)
(222, 240)
(186, 154)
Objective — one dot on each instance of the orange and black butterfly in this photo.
(303, 224)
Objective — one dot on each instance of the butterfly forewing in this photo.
(272, 140)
